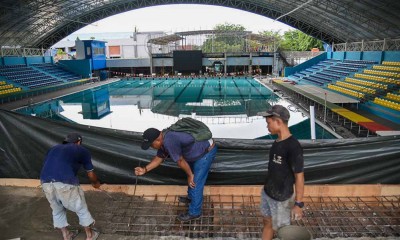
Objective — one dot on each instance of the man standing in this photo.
(193, 157)
(61, 185)
(285, 168)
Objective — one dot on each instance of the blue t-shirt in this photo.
(63, 162)
(177, 144)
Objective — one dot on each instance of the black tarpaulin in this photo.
(24, 141)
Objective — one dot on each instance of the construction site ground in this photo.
(26, 214)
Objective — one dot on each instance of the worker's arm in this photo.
(93, 179)
(297, 212)
(185, 167)
(155, 162)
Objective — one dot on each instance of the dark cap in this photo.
(73, 138)
(277, 111)
(149, 136)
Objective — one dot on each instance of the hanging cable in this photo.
(302, 5)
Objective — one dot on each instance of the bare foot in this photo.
(68, 236)
(94, 236)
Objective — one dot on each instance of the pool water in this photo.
(229, 106)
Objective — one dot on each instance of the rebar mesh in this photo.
(230, 216)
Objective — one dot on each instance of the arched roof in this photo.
(41, 23)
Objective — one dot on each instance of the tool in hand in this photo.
(134, 191)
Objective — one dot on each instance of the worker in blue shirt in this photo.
(193, 157)
(61, 184)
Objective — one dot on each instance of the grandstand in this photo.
(366, 81)
(352, 183)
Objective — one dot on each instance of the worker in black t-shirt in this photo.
(285, 168)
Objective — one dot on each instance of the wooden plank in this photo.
(326, 190)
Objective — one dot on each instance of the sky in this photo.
(182, 17)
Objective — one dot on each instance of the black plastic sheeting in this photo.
(24, 141)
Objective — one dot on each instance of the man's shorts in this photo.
(63, 196)
(278, 211)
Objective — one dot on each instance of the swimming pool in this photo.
(229, 106)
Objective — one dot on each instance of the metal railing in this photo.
(377, 45)
(21, 52)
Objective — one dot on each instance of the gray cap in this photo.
(73, 138)
(277, 111)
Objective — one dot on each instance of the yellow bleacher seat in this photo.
(346, 91)
(391, 63)
(386, 68)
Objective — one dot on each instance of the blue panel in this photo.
(33, 60)
(98, 55)
(381, 111)
(338, 55)
(14, 61)
(81, 67)
(87, 49)
(375, 56)
(391, 56)
(238, 61)
(304, 65)
(48, 59)
(353, 55)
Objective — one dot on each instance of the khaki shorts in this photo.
(63, 196)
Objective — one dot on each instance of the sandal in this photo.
(75, 233)
(95, 234)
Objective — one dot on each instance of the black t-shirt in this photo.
(285, 159)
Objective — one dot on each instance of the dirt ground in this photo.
(26, 214)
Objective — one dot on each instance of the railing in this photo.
(297, 57)
(35, 92)
(21, 52)
(378, 45)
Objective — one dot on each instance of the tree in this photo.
(225, 42)
(295, 40)
(275, 34)
(60, 52)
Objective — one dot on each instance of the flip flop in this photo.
(96, 235)
(75, 233)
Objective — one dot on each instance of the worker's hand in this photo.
(297, 213)
(96, 184)
(191, 181)
(139, 171)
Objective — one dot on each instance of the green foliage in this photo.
(295, 40)
(275, 34)
(60, 52)
(229, 27)
(292, 40)
(225, 43)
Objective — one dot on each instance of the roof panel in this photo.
(41, 23)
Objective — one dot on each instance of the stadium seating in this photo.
(23, 77)
(346, 91)
(391, 63)
(57, 71)
(356, 87)
(6, 88)
(387, 103)
(377, 78)
(394, 97)
(366, 83)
